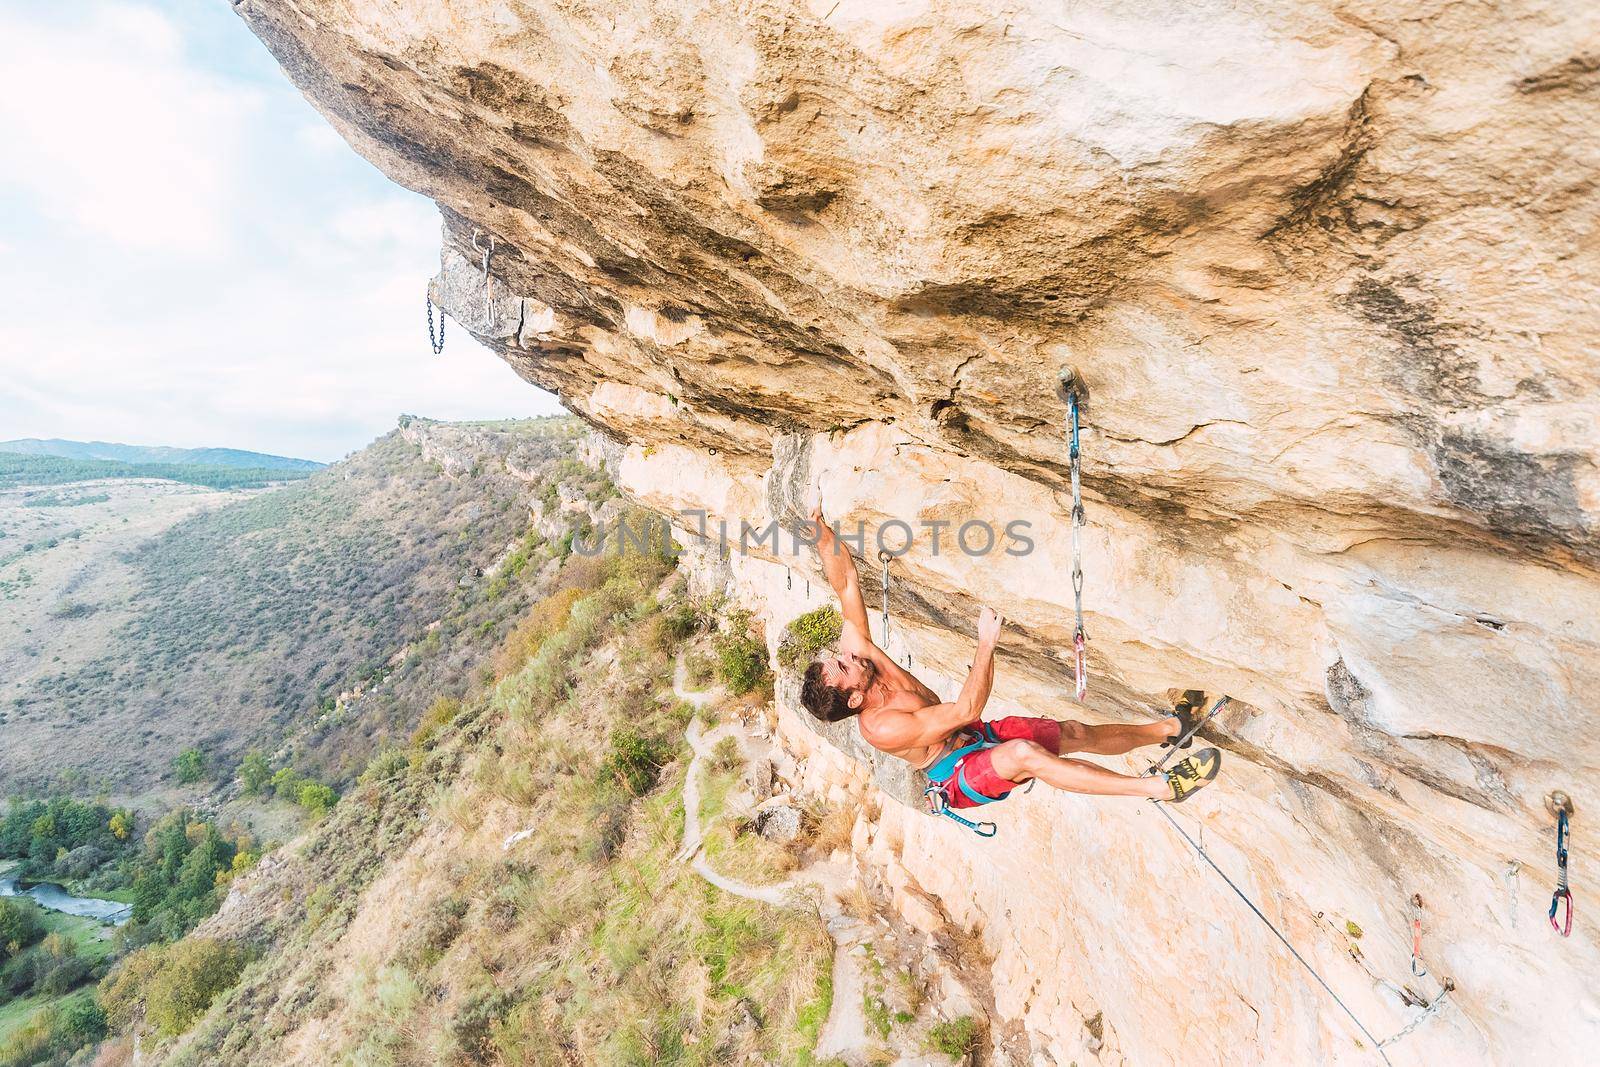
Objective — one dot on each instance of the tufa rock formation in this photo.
(1329, 273)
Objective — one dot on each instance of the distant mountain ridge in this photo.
(105, 450)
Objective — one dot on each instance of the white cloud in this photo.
(190, 266)
(109, 130)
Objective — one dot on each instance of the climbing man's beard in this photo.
(869, 673)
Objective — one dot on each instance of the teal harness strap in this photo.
(941, 773)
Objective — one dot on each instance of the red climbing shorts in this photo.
(978, 768)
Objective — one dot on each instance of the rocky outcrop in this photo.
(1328, 272)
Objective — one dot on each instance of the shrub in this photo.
(21, 924)
(192, 974)
(316, 798)
(955, 1038)
(190, 766)
(809, 634)
(725, 757)
(388, 763)
(441, 713)
(741, 658)
(254, 772)
(674, 627)
(635, 760)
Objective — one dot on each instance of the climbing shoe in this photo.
(1189, 711)
(1190, 775)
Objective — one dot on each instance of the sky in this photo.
(191, 256)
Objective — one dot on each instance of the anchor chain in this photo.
(1427, 1013)
(437, 344)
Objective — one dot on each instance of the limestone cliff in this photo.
(1329, 273)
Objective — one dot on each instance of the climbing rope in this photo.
(1561, 805)
(438, 344)
(1418, 968)
(1376, 1044)
(488, 279)
(1177, 742)
(1069, 389)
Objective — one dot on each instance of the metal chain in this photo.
(438, 345)
(1427, 1013)
(1080, 662)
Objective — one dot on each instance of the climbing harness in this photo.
(1069, 389)
(949, 770)
(1513, 879)
(1177, 742)
(1378, 1045)
(1560, 805)
(1418, 968)
(437, 343)
(488, 280)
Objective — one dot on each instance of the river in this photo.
(52, 896)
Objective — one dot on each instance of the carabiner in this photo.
(1564, 928)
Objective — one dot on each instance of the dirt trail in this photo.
(845, 1033)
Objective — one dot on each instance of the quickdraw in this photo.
(1513, 880)
(436, 343)
(1418, 968)
(1561, 806)
(884, 558)
(1069, 388)
(488, 279)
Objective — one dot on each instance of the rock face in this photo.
(1329, 275)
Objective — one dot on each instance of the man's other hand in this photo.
(989, 624)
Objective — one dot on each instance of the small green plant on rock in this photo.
(807, 635)
(955, 1038)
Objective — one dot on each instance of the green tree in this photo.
(20, 925)
(255, 772)
(190, 766)
(317, 798)
(194, 971)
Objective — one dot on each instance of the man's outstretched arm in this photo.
(840, 570)
(933, 724)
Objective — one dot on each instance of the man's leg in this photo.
(1018, 761)
(1115, 739)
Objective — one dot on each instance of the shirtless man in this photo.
(899, 715)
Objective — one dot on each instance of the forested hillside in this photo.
(250, 622)
(211, 457)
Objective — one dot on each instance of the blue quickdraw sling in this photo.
(949, 769)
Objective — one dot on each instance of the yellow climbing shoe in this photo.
(1188, 776)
